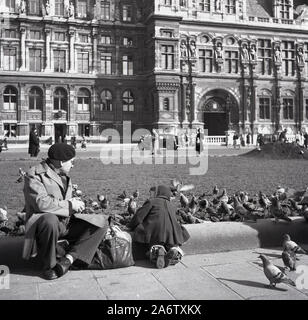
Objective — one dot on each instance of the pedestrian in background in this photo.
(306, 139)
(34, 143)
(199, 141)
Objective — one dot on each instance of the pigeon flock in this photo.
(289, 257)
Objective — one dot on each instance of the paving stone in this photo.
(190, 284)
(137, 286)
(81, 289)
(20, 292)
(142, 266)
(247, 280)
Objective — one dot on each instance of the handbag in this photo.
(115, 251)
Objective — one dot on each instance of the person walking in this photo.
(306, 139)
(34, 143)
(199, 142)
(50, 216)
(248, 139)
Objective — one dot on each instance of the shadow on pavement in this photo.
(252, 284)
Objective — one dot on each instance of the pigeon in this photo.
(177, 186)
(215, 191)
(241, 211)
(21, 176)
(3, 215)
(273, 273)
(95, 205)
(132, 206)
(203, 203)
(289, 259)
(123, 195)
(183, 200)
(105, 203)
(277, 210)
(193, 204)
(100, 197)
(292, 246)
(223, 197)
(136, 194)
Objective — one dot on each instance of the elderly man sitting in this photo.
(50, 210)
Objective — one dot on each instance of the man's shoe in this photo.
(62, 266)
(50, 274)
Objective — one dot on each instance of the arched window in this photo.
(10, 99)
(84, 100)
(106, 100)
(166, 105)
(128, 101)
(60, 99)
(35, 99)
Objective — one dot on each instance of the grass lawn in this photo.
(232, 173)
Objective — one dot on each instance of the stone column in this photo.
(72, 50)
(22, 48)
(47, 50)
(94, 51)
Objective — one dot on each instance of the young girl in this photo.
(155, 225)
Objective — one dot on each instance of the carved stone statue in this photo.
(183, 49)
(277, 55)
(21, 6)
(245, 54)
(218, 52)
(71, 10)
(253, 53)
(300, 56)
(192, 46)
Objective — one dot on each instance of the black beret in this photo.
(61, 151)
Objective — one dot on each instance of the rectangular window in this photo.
(59, 60)
(231, 61)
(264, 108)
(10, 5)
(206, 60)
(35, 35)
(10, 33)
(10, 129)
(167, 34)
(285, 9)
(59, 7)
(35, 57)
(35, 7)
(265, 57)
(106, 40)
(288, 108)
(230, 6)
(127, 13)
(83, 38)
(205, 5)
(167, 57)
(82, 9)
(168, 2)
(288, 58)
(10, 101)
(59, 36)
(9, 59)
(106, 60)
(83, 104)
(84, 130)
(127, 41)
(105, 10)
(127, 65)
(83, 62)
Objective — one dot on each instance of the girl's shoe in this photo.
(157, 256)
(173, 256)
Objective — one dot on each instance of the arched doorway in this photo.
(219, 112)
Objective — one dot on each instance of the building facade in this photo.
(79, 67)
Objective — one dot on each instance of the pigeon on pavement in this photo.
(290, 245)
(273, 273)
(289, 259)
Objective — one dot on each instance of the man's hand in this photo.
(77, 205)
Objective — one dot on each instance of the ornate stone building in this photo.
(80, 66)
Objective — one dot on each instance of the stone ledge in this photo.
(205, 238)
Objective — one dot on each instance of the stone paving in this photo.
(234, 275)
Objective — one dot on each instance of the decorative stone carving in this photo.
(277, 55)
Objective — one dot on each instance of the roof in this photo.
(264, 8)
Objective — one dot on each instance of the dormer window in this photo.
(167, 33)
(285, 6)
(230, 6)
